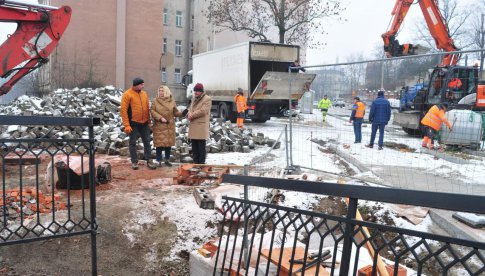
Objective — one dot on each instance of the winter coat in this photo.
(358, 111)
(435, 118)
(380, 111)
(324, 103)
(240, 103)
(200, 108)
(164, 133)
(137, 104)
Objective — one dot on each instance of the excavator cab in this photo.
(451, 84)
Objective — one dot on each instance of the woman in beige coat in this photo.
(164, 111)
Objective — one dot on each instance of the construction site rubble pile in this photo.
(28, 201)
(110, 139)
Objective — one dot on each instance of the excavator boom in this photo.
(436, 26)
(39, 29)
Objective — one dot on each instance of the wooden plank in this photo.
(285, 261)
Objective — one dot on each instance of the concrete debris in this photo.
(110, 139)
(203, 198)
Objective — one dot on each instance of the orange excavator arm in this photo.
(39, 29)
(436, 26)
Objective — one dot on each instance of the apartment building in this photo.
(109, 42)
(177, 45)
(112, 41)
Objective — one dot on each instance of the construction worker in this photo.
(432, 123)
(324, 105)
(357, 117)
(241, 107)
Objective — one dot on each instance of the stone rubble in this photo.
(110, 139)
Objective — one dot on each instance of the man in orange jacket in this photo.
(135, 113)
(241, 107)
(432, 122)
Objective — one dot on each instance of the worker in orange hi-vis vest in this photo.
(241, 107)
(432, 123)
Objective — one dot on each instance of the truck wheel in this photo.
(412, 132)
(224, 111)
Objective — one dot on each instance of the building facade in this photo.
(109, 42)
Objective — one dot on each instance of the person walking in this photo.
(379, 116)
(324, 104)
(163, 111)
(199, 117)
(432, 122)
(356, 117)
(135, 115)
(241, 107)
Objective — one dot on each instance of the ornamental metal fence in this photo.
(48, 185)
(258, 238)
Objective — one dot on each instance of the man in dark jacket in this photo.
(295, 67)
(379, 116)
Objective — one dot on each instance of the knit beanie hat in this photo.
(199, 87)
(380, 93)
(138, 81)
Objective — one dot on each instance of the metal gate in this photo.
(39, 176)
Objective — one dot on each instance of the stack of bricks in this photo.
(14, 202)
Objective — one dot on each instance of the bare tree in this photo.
(478, 31)
(455, 17)
(355, 73)
(293, 18)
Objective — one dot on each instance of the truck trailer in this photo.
(260, 69)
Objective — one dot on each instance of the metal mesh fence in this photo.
(325, 139)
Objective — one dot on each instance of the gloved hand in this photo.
(128, 130)
(184, 113)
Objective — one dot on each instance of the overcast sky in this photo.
(366, 21)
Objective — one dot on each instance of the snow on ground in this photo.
(339, 131)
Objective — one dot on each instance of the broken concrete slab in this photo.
(472, 220)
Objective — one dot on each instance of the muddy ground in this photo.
(124, 247)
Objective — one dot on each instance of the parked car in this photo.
(339, 102)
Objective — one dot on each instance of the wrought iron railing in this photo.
(41, 196)
(264, 239)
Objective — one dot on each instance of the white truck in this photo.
(260, 69)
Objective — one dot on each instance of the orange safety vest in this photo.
(434, 118)
(454, 83)
(359, 112)
(240, 103)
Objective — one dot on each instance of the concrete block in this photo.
(203, 198)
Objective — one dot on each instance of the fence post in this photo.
(245, 236)
(286, 147)
(92, 199)
(347, 247)
(290, 116)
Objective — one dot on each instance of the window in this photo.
(177, 76)
(164, 50)
(165, 16)
(164, 74)
(178, 19)
(192, 22)
(191, 49)
(178, 48)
